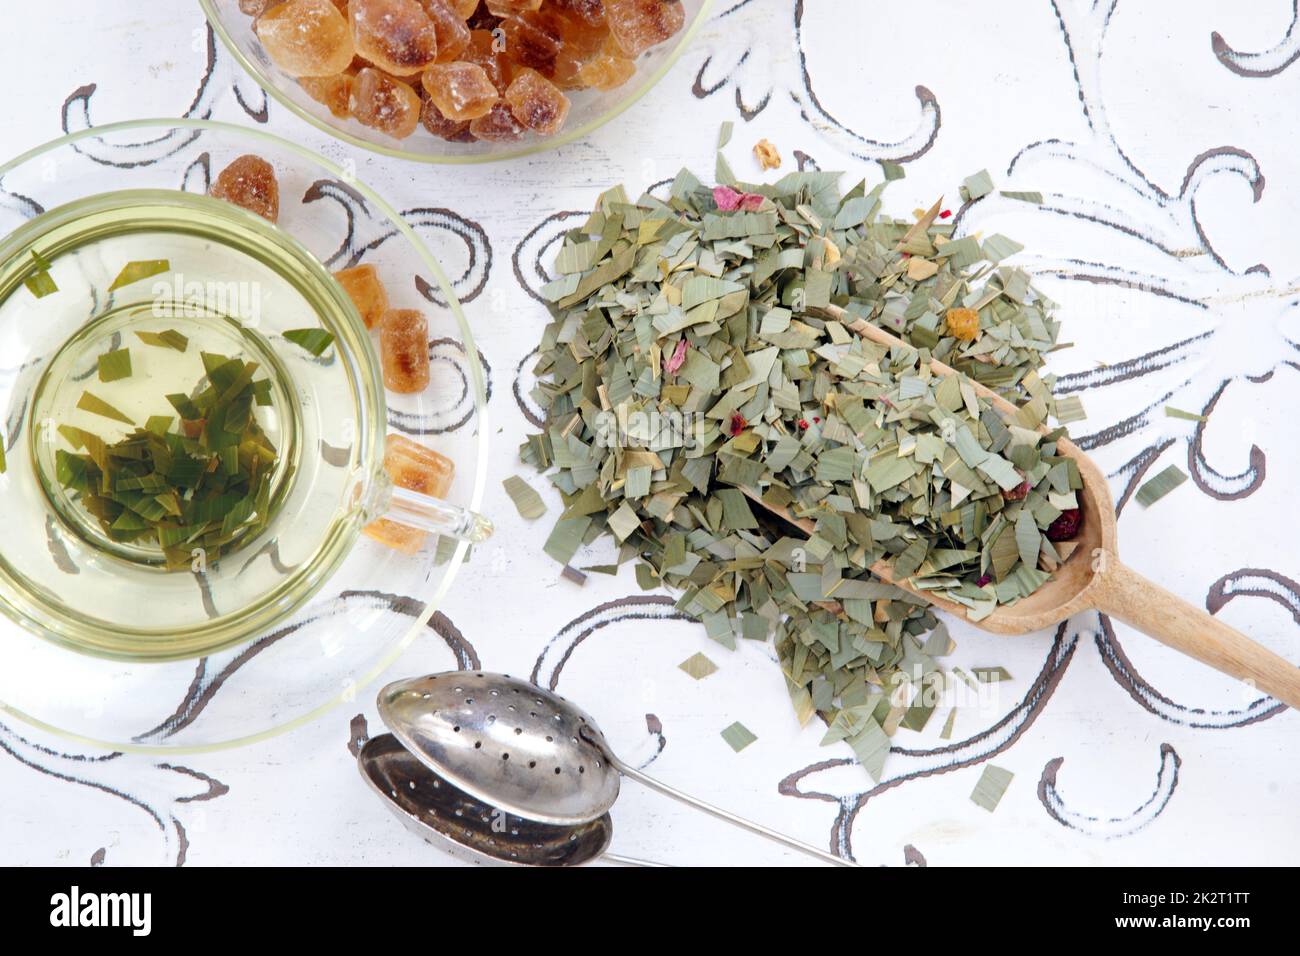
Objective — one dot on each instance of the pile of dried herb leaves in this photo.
(700, 349)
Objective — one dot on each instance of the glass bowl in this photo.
(590, 110)
(344, 618)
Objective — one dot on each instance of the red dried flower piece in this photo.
(947, 213)
(738, 424)
(803, 425)
(817, 420)
(730, 200)
(1018, 492)
(983, 580)
(1066, 526)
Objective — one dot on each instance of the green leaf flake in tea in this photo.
(315, 341)
(40, 284)
(138, 270)
(92, 403)
(205, 486)
(115, 365)
(167, 339)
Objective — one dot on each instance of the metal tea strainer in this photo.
(508, 772)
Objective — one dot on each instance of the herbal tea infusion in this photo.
(204, 411)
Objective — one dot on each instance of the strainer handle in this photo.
(634, 774)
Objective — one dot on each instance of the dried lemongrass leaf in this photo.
(1070, 409)
(698, 666)
(527, 501)
(990, 787)
(1031, 197)
(1156, 488)
(738, 736)
(570, 573)
(977, 186)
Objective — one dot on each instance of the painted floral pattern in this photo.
(1160, 233)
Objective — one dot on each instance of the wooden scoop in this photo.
(1093, 578)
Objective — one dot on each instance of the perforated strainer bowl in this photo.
(516, 749)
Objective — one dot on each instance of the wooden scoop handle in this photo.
(1123, 593)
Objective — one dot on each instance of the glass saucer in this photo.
(364, 605)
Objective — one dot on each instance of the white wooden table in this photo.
(1167, 158)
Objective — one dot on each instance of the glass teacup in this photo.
(233, 286)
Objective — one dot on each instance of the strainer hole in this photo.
(518, 731)
(492, 718)
(557, 770)
(582, 769)
(532, 764)
(505, 756)
(456, 728)
(478, 744)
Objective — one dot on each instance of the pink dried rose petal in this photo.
(675, 361)
(729, 200)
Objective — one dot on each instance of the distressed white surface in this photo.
(1157, 98)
